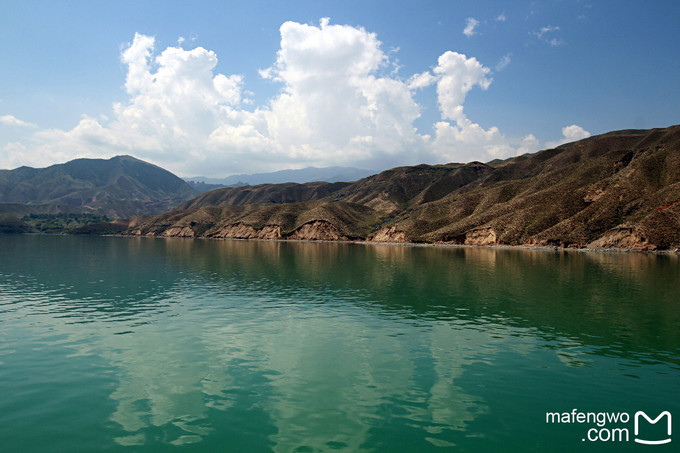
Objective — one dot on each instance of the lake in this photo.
(145, 344)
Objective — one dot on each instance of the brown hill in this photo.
(397, 189)
(307, 220)
(265, 193)
(620, 189)
(615, 190)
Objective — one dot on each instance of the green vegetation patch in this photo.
(61, 223)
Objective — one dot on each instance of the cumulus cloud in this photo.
(10, 120)
(501, 18)
(571, 134)
(335, 105)
(457, 75)
(331, 81)
(176, 101)
(422, 80)
(457, 138)
(470, 25)
(465, 141)
(529, 144)
(339, 102)
(575, 132)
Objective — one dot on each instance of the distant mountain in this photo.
(309, 174)
(619, 190)
(118, 187)
(202, 187)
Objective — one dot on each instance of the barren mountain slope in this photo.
(620, 189)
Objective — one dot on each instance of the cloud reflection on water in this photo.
(327, 343)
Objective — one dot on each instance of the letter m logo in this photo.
(639, 414)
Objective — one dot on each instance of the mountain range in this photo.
(616, 190)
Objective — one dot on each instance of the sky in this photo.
(215, 88)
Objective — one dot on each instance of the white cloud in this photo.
(465, 141)
(334, 106)
(503, 62)
(176, 101)
(340, 102)
(457, 75)
(529, 144)
(548, 29)
(334, 97)
(571, 134)
(423, 80)
(470, 25)
(501, 18)
(456, 137)
(137, 56)
(574, 132)
(546, 35)
(9, 120)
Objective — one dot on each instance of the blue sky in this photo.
(219, 88)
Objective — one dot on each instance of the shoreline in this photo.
(545, 248)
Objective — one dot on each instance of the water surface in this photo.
(141, 344)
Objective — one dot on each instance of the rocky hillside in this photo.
(310, 220)
(265, 193)
(119, 187)
(620, 189)
(395, 190)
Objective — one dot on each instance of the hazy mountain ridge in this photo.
(620, 189)
(118, 187)
(301, 176)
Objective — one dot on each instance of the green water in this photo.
(140, 345)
